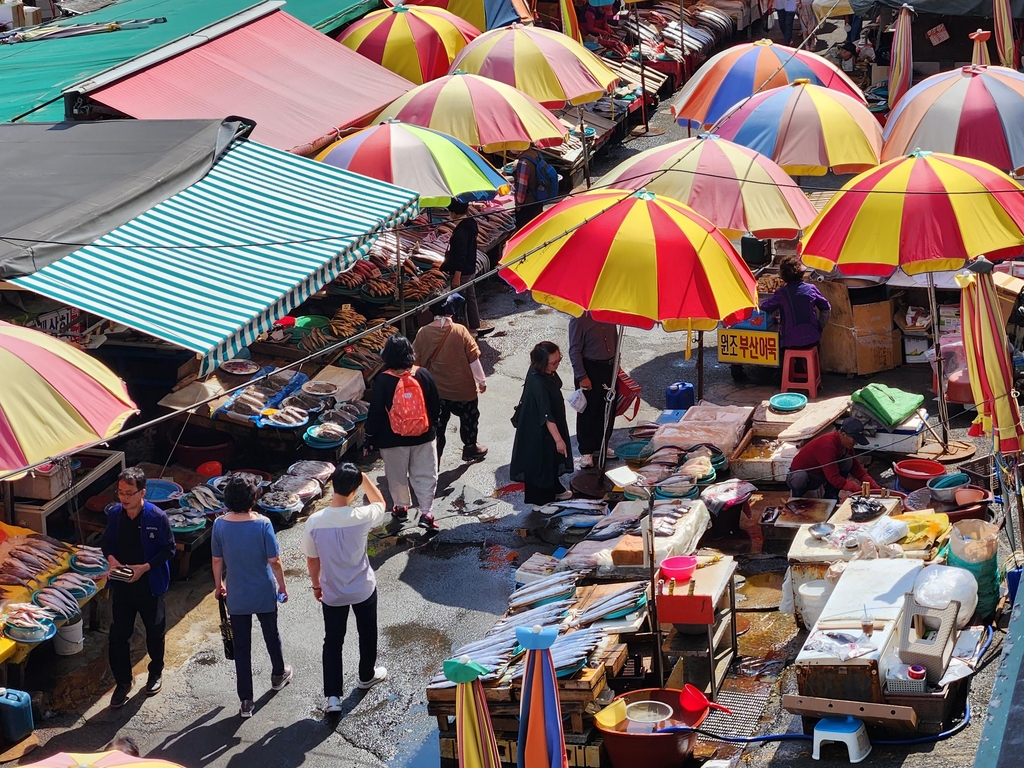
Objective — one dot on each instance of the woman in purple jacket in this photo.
(803, 311)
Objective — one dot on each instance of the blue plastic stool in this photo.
(848, 730)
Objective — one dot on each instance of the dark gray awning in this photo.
(979, 8)
(75, 182)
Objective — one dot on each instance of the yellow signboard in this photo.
(748, 347)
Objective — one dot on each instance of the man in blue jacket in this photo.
(138, 536)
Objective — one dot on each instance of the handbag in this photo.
(226, 635)
(627, 394)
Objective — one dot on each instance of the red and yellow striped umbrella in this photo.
(902, 57)
(551, 67)
(112, 759)
(631, 258)
(54, 398)
(418, 43)
(924, 213)
(480, 112)
(1002, 18)
(477, 745)
(989, 363)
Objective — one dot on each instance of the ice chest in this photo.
(879, 585)
(44, 484)
(16, 721)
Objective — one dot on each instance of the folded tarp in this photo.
(889, 405)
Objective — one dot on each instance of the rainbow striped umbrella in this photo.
(416, 43)
(975, 112)
(482, 14)
(739, 72)
(1002, 18)
(808, 130)
(474, 731)
(570, 21)
(924, 213)
(54, 399)
(436, 166)
(541, 741)
(902, 57)
(631, 258)
(979, 55)
(479, 112)
(549, 66)
(735, 188)
(989, 364)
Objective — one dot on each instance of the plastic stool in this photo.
(848, 730)
(809, 379)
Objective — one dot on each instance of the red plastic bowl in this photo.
(915, 473)
(680, 568)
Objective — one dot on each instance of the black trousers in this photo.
(335, 621)
(127, 601)
(469, 422)
(470, 315)
(241, 629)
(527, 213)
(539, 495)
(590, 423)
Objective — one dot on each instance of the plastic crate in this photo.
(982, 471)
(895, 685)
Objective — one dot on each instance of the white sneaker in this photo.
(380, 674)
(586, 461)
(333, 705)
(563, 496)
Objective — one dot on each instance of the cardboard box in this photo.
(12, 14)
(914, 347)
(33, 16)
(44, 485)
(847, 350)
(874, 317)
(1007, 288)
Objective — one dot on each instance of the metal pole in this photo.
(401, 290)
(609, 403)
(586, 149)
(643, 70)
(700, 365)
(659, 663)
(943, 407)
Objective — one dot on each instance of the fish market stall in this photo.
(45, 585)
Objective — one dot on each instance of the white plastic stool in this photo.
(848, 730)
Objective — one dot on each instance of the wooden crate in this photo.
(936, 710)
(581, 750)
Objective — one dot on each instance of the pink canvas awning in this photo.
(301, 87)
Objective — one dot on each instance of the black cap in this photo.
(855, 429)
(450, 306)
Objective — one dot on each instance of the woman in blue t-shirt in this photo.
(244, 545)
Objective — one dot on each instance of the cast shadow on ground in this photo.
(93, 734)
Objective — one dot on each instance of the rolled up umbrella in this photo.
(541, 740)
(989, 363)
(477, 745)
(1002, 19)
(979, 55)
(901, 62)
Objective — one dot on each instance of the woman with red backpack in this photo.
(402, 425)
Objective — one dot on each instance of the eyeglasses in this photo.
(123, 495)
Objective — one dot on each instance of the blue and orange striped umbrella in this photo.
(474, 731)
(989, 363)
(739, 72)
(806, 129)
(924, 213)
(417, 43)
(902, 58)
(541, 740)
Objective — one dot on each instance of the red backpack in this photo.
(408, 413)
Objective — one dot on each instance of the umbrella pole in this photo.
(659, 662)
(609, 403)
(943, 407)
(700, 366)
(586, 149)
(401, 291)
(647, 131)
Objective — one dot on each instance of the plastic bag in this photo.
(787, 604)
(974, 541)
(936, 585)
(578, 401)
(888, 530)
(840, 645)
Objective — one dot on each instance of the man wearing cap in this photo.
(448, 351)
(826, 467)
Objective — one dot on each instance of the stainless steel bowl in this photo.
(820, 530)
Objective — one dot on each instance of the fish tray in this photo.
(584, 686)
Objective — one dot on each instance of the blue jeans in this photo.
(241, 629)
(786, 25)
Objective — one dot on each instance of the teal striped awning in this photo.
(214, 266)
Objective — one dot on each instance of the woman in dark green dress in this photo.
(542, 452)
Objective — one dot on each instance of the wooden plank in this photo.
(876, 714)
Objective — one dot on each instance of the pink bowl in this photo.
(680, 568)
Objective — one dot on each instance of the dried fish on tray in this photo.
(320, 471)
(549, 589)
(304, 487)
(627, 599)
(570, 652)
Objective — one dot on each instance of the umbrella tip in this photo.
(801, 81)
(537, 629)
(643, 194)
(464, 659)
(920, 153)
